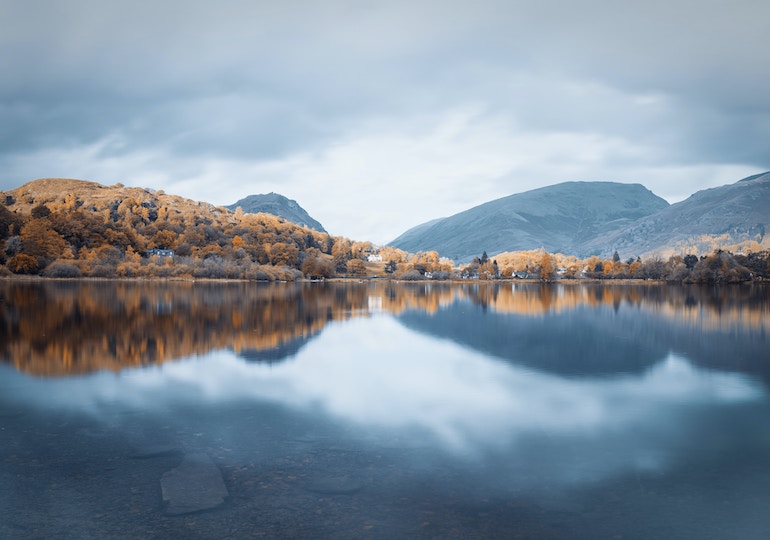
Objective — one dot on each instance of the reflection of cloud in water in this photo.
(378, 374)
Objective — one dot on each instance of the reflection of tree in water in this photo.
(58, 328)
(53, 328)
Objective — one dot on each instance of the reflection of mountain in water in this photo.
(592, 341)
(281, 351)
(53, 328)
(63, 328)
(581, 342)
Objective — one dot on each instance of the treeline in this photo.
(718, 267)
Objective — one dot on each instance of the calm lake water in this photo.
(384, 410)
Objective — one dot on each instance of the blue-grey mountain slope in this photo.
(559, 218)
(278, 205)
(713, 218)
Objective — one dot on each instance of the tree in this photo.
(41, 241)
(23, 264)
(546, 267)
(317, 267)
(429, 260)
(164, 239)
(41, 211)
(690, 261)
(653, 268)
(390, 267)
(341, 254)
(356, 267)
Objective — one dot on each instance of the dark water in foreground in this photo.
(385, 410)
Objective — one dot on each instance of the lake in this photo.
(384, 410)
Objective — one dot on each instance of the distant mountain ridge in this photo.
(559, 218)
(599, 218)
(277, 205)
(729, 214)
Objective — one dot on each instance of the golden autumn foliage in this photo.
(106, 231)
(91, 326)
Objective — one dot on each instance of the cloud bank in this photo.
(377, 117)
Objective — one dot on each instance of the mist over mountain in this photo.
(559, 218)
(277, 205)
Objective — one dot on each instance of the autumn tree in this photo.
(10, 223)
(487, 270)
(39, 240)
(341, 254)
(23, 264)
(389, 253)
(356, 267)
(284, 254)
(546, 267)
(318, 267)
(360, 250)
(164, 239)
(429, 261)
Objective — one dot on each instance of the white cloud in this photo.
(379, 118)
(386, 175)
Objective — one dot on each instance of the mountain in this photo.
(713, 218)
(559, 218)
(278, 205)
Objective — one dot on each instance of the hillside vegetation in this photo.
(68, 228)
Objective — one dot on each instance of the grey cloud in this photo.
(258, 80)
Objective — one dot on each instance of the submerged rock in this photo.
(335, 485)
(195, 485)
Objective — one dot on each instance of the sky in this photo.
(379, 116)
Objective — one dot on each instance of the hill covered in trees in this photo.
(68, 228)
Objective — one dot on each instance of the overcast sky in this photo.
(379, 116)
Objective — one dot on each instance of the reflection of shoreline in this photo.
(600, 332)
(708, 307)
(62, 328)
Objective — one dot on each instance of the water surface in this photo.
(386, 410)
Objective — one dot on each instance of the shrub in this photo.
(102, 270)
(411, 275)
(62, 270)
